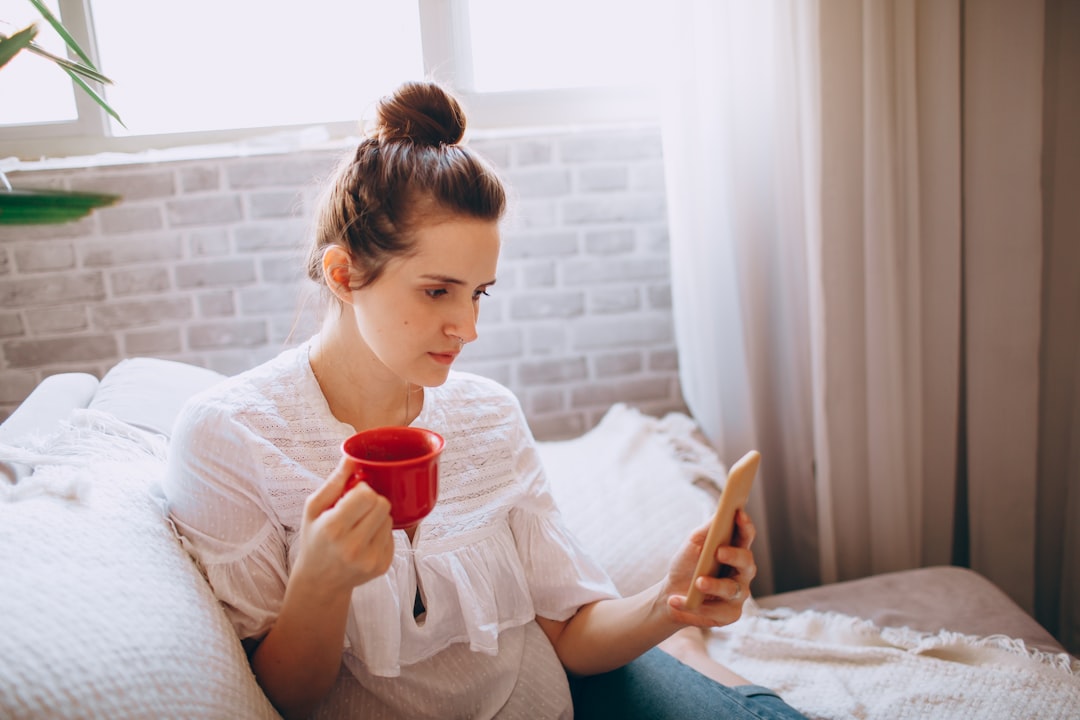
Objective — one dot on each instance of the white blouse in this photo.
(492, 555)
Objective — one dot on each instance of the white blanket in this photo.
(835, 666)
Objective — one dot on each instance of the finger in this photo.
(362, 504)
(729, 590)
(327, 494)
(745, 531)
(740, 562)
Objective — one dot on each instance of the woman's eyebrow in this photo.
(452, 280)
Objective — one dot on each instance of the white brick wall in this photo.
(202, 262)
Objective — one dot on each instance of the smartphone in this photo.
(734, 496)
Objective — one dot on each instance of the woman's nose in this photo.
(463, 324)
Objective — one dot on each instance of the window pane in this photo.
(529, 45)
(32, 89)
(214, 64)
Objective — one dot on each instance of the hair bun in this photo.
(419, 112)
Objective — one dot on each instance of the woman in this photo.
(483, 608)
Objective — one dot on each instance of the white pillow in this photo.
(102, 612)
(149, 392)
(633, 489)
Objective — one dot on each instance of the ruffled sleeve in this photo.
(212, 487)
(560, 574)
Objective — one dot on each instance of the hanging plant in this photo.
(23, 207)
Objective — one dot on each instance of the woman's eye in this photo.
(436, 292)
(476, 295)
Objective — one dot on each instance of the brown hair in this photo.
(410, 167)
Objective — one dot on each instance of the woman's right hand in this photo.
(347, 540)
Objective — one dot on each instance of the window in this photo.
(205, 70)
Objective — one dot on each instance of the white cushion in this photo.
(149, 392)
(102, 613)
(633, 489)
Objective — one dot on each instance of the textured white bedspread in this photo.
(836, 666)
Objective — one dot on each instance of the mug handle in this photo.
(352, 481)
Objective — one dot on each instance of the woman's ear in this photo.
(337, 272)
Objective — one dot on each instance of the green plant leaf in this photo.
(93, 94)
(84, 70)
(10, 46)
(62, 32)
(34, 207)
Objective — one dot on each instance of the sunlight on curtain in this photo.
(734, 149)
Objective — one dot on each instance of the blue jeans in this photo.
(656, 686)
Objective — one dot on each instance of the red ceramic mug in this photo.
(402, 465)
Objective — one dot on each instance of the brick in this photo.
(128, 185)
(267, 300)
(227, 334)
(130, 251)
(619, 208)
(199, 178)
(611, 147)
(208, 242)
(152, 342)
(203, 210)
(5, 262)
(76, 228)
(141, 281)
(73, 348)
(619, 241)
(532, 214)
(540, 183)
(664, 360)
(603, 179)
(286, 269)
(614, 364)
(534, 306)
(58, 319)
(546, 400)
(130, 218)
(496, 344)
(495, 152)
(51, 289)
(560, 426)
(557, 244)
(15, 385)
(500, 372)
(543, 372)
(216, 304)
(621, 331)
(659, 297)
(44, 257)
(637, 390)
(648, 176)
(11, 324)
(274, 204)
(618, 270)
(532, 152)
(280, 170)
(546, 340)
(215, 273)
(610, 301)
(289, 235)
(137, 313)
(536, 275)
(291, 328)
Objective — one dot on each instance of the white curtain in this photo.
(858, 195)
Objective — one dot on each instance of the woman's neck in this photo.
(358, 388)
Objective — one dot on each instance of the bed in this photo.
(102, 613)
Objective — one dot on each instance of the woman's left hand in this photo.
(724, 596)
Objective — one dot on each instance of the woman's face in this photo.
(417, 315)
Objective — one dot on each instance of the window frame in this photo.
(444, 28)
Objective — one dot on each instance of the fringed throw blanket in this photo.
(835, 666)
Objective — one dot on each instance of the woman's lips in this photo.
(444, 358)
